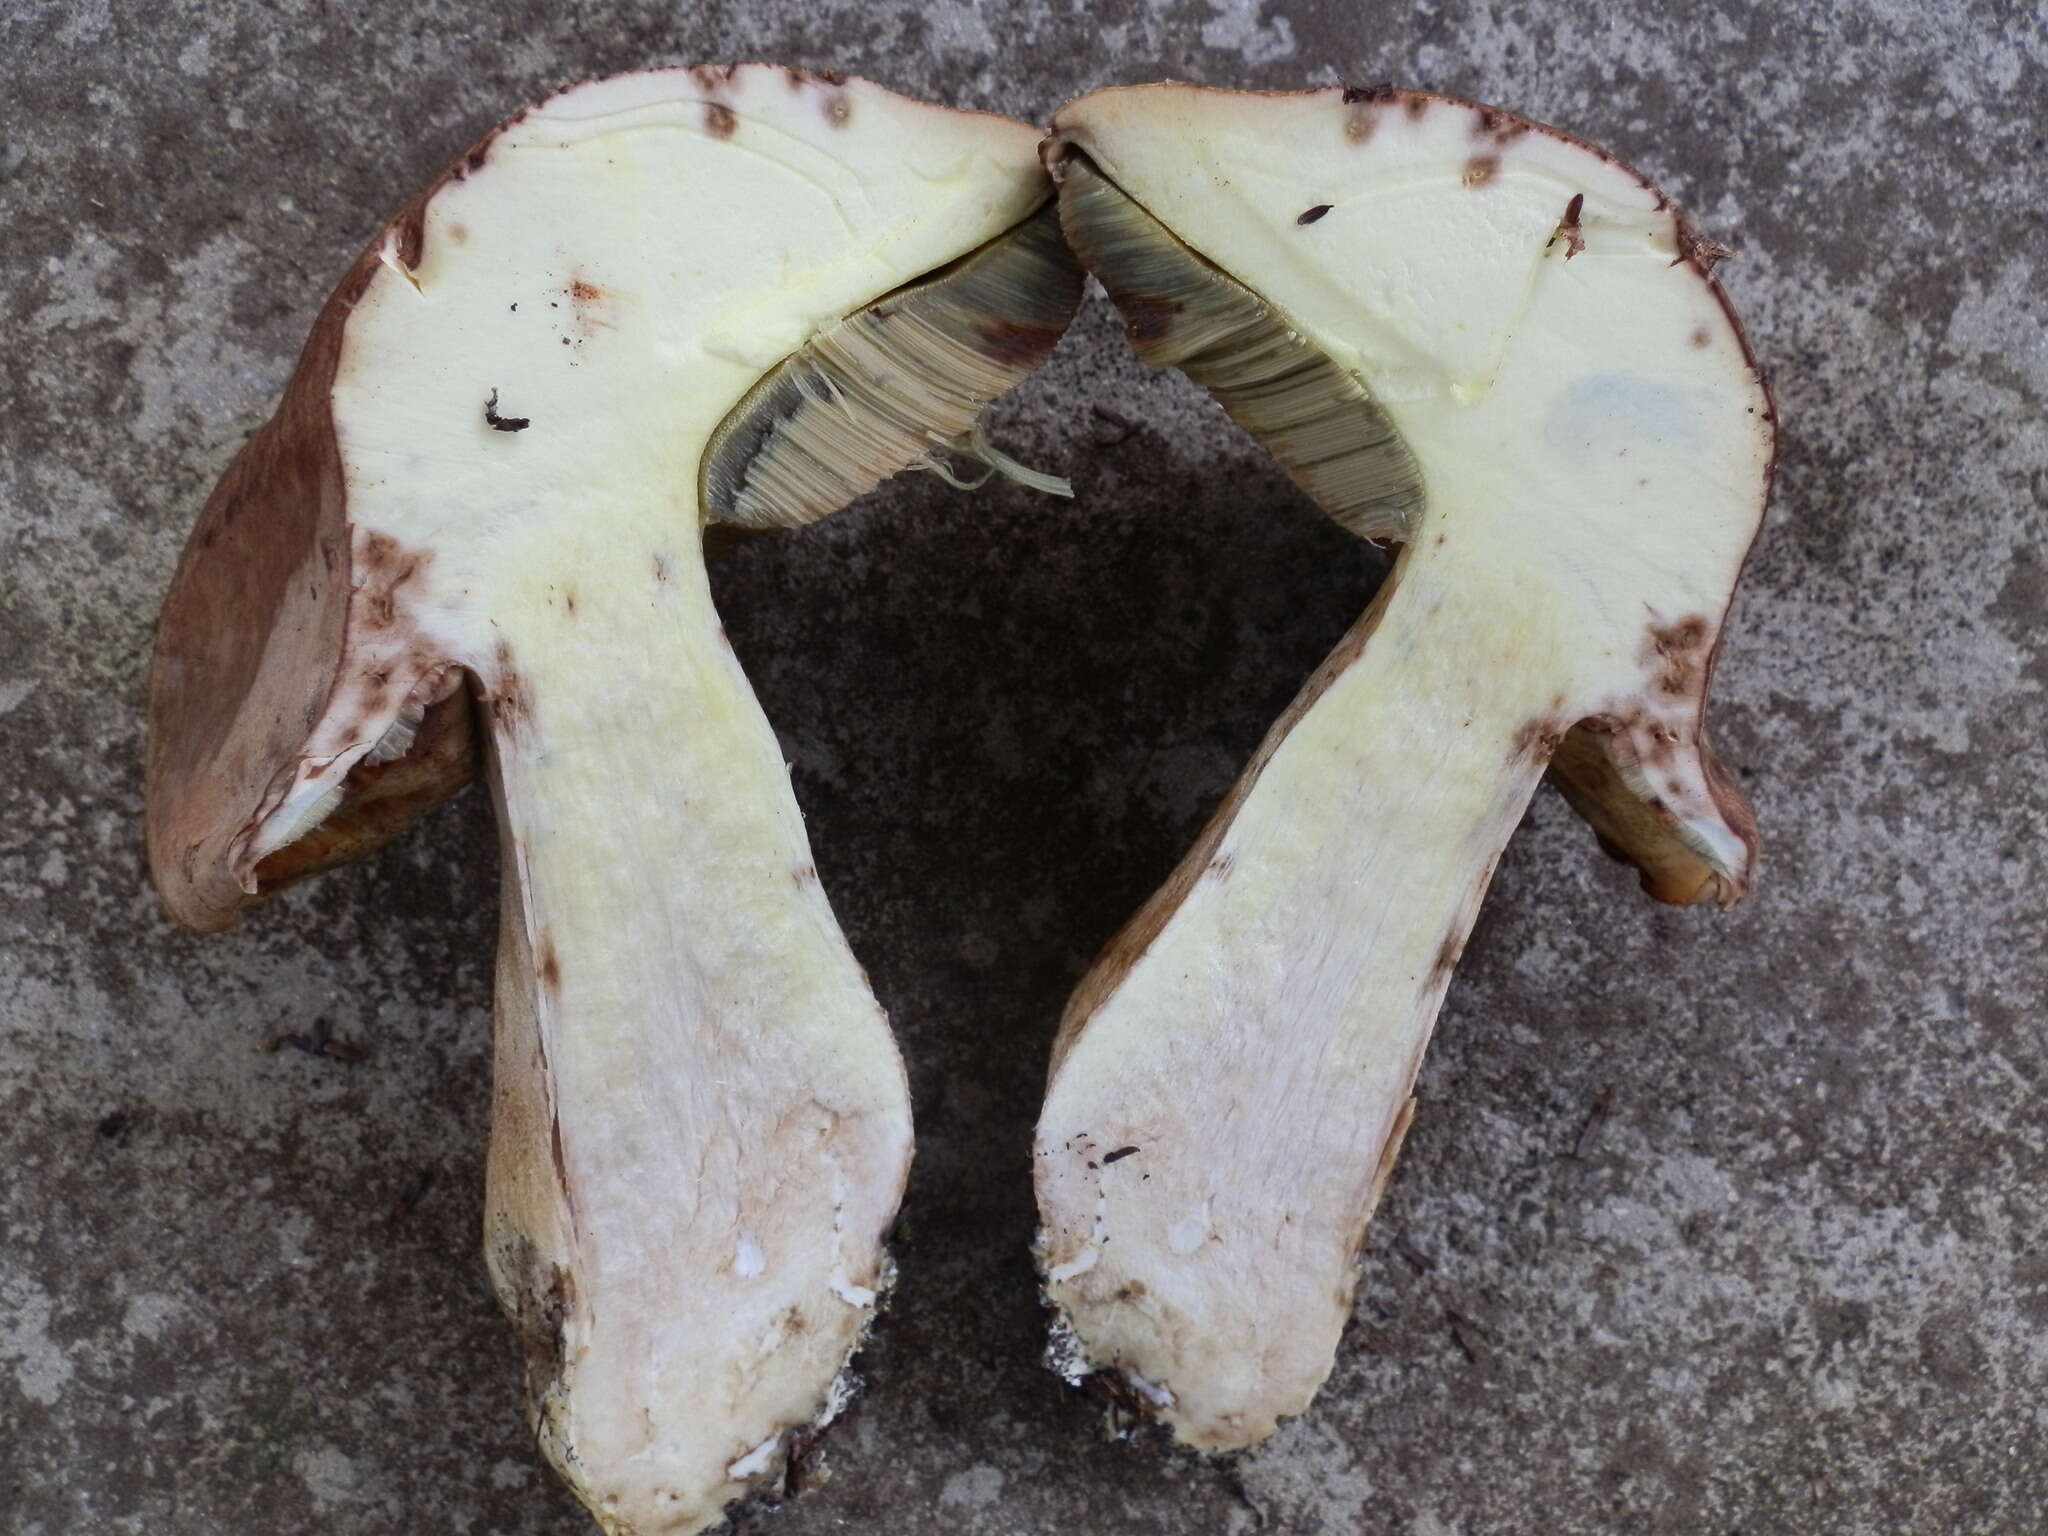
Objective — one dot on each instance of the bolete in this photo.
(1501, 347)
(736, 296)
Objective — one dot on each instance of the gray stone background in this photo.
(1708, 1224)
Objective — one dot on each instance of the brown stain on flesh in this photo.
(510, 699)
(1481, 169)
(559, 1158)
(383, 570)
(720, 121)
(1448, 954)
(547, 965)
(538, 1296)
(1499, 128)
(1536, 739)
(1389, 1155)
(1677, 654)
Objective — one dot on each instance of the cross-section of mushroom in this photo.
(741, 294)
(1500, 347)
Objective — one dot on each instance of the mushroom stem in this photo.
(696, 1094)
(1313, 931)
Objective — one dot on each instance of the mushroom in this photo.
(1499, 346)
(736, 295)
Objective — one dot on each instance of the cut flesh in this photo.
(1498, 345)
(633, 307)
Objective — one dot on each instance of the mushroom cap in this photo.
(1575, 409)
(751, 205)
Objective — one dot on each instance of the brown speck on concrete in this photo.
(1405, 1250)
(1467, 1336)
(1594, 1123)
(409, 1198)
(319, 1041)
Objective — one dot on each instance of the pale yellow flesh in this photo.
(702, 1125)
(1593, 444)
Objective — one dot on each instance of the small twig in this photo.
(320, 1042)
(1114, 428)
(1468, 1336)
(415, 1192)
(1411, 1255)
(1596, 1121)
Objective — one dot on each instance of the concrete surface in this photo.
(1792, 1278)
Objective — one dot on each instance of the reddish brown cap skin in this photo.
(253, 634)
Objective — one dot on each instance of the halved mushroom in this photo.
(745, 294)
(1502, 348)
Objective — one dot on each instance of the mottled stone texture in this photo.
(1707, 1225)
